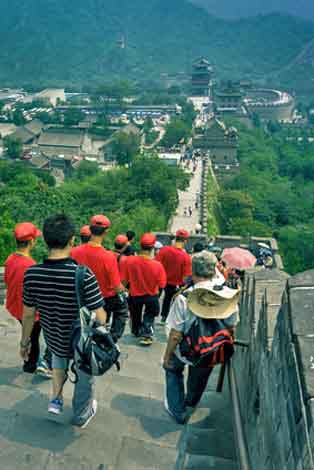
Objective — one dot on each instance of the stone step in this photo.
(201, 462)
(132, 430)
(210, 442)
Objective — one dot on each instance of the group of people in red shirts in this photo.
(130, 283)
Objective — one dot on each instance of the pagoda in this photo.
(201, 77)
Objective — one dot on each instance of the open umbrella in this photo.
(238, 258)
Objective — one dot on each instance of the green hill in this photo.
(74, 41)
(245, 8)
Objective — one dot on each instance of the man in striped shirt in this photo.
(49, 288)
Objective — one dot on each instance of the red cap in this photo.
(100, 220)
(148, 240)
(85, 231)
(121, 240)
(26, 231)
(182, 233)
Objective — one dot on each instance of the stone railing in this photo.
(204, 196)
(276, 375)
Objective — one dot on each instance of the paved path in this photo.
(187, 199)
(131, 431)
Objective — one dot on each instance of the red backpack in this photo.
(207, 343)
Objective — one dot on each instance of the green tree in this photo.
(18, 117)
(176, 130)
(297, 247)
(7, 243)
(86, 169)
(148, 124)
(256, 120)
(73, 116)
(14, 147)
(125, 147)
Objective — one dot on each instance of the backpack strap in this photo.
(182, 291)
(79, 284)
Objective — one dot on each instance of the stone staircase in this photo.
(131, 431)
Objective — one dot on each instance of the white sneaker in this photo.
(55, 406)
(43, 369)
(179, 420)
(93, 411)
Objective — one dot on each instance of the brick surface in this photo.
(131, 430)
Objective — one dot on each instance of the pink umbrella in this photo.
(238, 258)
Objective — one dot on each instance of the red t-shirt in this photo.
(177, 264)
(15, 267)
(102, 263)
(121, 258)
(145, 276)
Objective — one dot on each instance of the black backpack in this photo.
(93, 348)
(207, 343)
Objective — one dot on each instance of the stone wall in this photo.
(204, 196)
(276, 375)
(2, 286)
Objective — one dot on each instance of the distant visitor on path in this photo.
(50, 289)
(85, 234)
(144, 277)
(178, 267)
(121, 244)
(130, 250)
(198, 229)
(197, 312)
(15, 267)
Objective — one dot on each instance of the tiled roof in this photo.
(59, 138)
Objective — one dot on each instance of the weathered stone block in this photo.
(305, 279)
(305, 352)
(302, 311)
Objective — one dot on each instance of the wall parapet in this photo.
(276, 374)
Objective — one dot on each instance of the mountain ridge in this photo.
(245, 8)
(76, 41)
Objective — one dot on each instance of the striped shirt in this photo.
(50, 287)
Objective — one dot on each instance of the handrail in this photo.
(242, 450)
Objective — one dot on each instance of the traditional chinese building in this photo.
(201, 77)
(221, 143)
(229, 99)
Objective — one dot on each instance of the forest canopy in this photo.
(141, 198)
(273, 195)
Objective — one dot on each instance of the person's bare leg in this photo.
(58, 381)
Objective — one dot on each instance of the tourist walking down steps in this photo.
(178, 267)
(103, 263)
(145, 277)
(205, 300)
(15, 267)
(49, 288)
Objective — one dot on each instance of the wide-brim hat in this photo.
(208, 303)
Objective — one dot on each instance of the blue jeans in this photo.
(176, 398)
(83, 389)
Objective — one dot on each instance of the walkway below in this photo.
(187, 199)
(131, 430)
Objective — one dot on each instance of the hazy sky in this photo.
(240, 8)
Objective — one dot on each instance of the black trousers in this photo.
(143, 324)
(31, 364)
(117, 308)
(170, 291)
